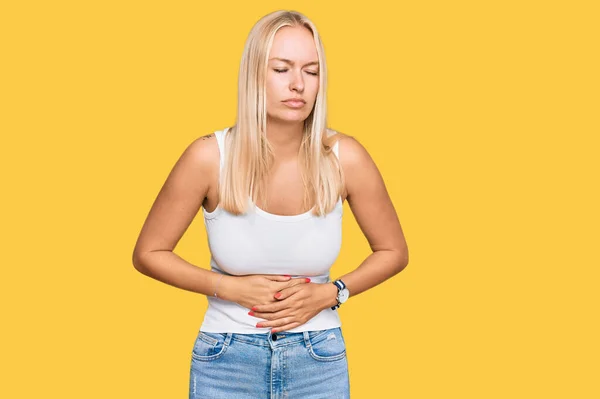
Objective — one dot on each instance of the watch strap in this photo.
(340, 286)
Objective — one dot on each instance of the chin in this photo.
(290, 117)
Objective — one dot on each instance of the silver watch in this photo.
(342, 295)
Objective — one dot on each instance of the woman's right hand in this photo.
(259, 289)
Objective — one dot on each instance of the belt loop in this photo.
(306, 338)
(228, 338)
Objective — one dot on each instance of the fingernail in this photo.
(287, 275)
(307, 280)
(258, 325)
(278, 295)
(251, 313)
(254, 308)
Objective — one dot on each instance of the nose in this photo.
(297, 82)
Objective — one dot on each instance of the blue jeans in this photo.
(301, 365)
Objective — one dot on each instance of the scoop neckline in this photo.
(284, 218)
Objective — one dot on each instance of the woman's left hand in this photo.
(296, 305)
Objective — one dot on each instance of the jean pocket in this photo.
(209, 346)
(327, 345)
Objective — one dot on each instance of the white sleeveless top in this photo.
(259, 242)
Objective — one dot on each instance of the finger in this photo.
(271, 307)
(292, 283)
(267, 315)
(287, 292)
(296, 281)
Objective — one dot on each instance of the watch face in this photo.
(343, 295)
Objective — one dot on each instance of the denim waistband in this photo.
(274, 339)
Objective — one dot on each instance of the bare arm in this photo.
(176, 205)
(373, 209)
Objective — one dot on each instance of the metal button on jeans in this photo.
(274, 337)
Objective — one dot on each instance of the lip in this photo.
(295, 102)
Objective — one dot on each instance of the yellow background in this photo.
(482, 116)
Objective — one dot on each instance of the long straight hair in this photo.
(249, 155)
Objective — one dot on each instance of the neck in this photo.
(285, 138)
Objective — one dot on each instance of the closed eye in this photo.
(285, 70)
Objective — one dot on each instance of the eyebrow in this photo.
(292, 62)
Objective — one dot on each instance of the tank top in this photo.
(258, 242)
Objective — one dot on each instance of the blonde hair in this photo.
(249, 155)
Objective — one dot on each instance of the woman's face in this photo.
(292, 73)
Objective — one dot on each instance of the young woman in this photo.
(272, 188)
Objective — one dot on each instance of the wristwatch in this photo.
(343, 293)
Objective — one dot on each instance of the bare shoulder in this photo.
(352, 153)
(207, 137)
(198, 165)
(203, 152)
(359, 169)
(205, 146)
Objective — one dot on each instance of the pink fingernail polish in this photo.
(307, 280)
(254, 308)
(251, 313)
(278, 295)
